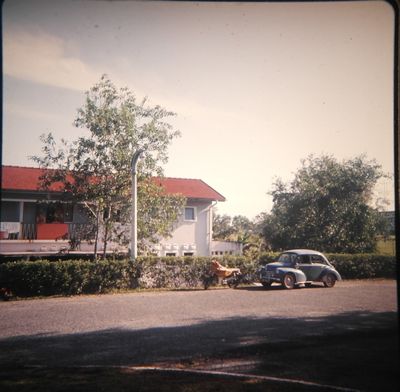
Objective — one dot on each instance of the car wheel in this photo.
(289, 281)
(233, 284)
(329, 280)
(266, 285)
(308, 284)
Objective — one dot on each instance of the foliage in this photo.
(72, 277)
(326, 207)
(268, 257)
(64, 277)
(95, 169)
(157, 213)
(364, 266)
(238, 229)
(222, 227)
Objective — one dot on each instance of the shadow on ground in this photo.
(355, 350)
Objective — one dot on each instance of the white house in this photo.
(27, 225)
(192, 235)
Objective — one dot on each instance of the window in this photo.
(170, 254)
(68, 212)
(52, 212)
(10, 211)
(188, 253)
(317, 259)
(303, 259)
(190, 214)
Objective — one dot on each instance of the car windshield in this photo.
(287, 258)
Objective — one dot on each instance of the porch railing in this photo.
(28, 231)
(75, 231)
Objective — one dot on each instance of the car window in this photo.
(303, 259)
(316, 259)
(287, 258)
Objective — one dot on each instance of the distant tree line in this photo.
(327, 207)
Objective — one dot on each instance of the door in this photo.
(304, 264)
(318, 264)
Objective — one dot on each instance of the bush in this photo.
(269, 257)
(171, 272)
(71, 277)
(364, 266)
(27, 278)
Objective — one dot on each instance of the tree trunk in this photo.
(106, 227)
(97, 233)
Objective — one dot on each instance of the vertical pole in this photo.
(21, 220)
(133, 251)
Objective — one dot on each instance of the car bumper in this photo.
(267, 277)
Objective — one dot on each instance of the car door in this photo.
(318, 264)
(304, 264)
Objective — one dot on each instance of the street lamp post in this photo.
(135, 158)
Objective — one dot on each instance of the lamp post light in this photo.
(134, 162)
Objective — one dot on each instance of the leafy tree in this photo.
(222, 227)
(231, 229)
(238, 229)
(95, 169)
(326, 207)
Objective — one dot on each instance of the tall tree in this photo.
(238, 229)
(326, 207)
(222, 227)
(95, 169)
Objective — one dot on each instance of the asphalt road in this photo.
(141, 311)
(195, 328)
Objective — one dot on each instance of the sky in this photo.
(256, 87)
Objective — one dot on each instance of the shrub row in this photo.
(71, 277)
(32, 278)
(364, 266)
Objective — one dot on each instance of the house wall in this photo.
(190, 236)
(221, 248)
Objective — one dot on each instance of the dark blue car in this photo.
(299, 267)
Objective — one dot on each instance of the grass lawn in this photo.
(387, 247)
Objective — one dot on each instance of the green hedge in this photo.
(71, 277)
(364, 266)
(32, 278)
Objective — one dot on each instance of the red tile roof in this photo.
(24, 179)
(27, 179)
(190, 188)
